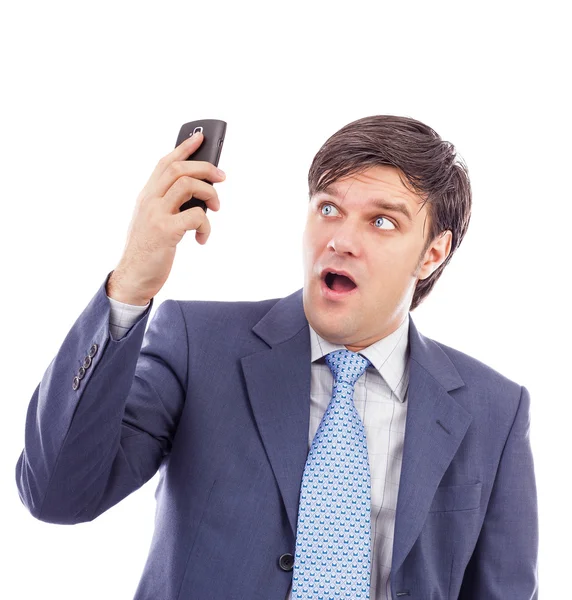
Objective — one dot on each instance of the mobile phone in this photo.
(213, 131)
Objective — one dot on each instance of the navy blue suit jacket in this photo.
(215, 395)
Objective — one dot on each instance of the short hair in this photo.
(431, 166)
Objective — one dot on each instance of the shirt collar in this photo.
(388, 355)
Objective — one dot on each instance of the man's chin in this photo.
(328, 324)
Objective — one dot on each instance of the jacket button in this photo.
(286, 562)
(92, 351)
(87, 362)
(75, 383)
(81, 373)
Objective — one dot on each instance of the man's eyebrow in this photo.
(379, 203)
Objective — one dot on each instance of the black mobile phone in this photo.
(213, 131)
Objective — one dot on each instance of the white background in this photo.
(94, 95)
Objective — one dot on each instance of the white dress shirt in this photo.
(380, 397)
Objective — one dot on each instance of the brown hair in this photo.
(431, 166)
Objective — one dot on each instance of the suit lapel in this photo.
(278, 385)
(429, 447)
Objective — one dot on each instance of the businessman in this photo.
(315, 446)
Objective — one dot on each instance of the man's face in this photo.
(379, 247)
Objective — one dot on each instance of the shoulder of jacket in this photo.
(474, 370)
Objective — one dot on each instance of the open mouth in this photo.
(339, 283)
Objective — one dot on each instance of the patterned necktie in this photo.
(332, 558)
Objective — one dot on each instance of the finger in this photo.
(186, 187)
(203, 232)
(199, 169)
(181, 152)
(194, 218)
(185, 148)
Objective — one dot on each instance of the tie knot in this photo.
(346, 365)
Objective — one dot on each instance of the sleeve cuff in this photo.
(123, 316)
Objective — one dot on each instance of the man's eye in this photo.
(385, 221)
(325, 204)
(379, 218)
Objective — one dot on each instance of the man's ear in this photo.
(435, 254)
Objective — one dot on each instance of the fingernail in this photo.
(221, 173)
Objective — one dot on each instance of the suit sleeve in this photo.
(504, 563)
(104, 414)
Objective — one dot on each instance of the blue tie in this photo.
(332, 559)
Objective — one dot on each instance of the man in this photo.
(312, 446)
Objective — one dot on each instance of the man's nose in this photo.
(346, 239)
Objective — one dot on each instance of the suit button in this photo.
(81, 373)
(92, 351)
(75, 383)
(87, 362)
(286, 562)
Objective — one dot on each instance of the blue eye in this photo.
(380, 218)
(385, 221)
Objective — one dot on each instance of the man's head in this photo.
(393, 258)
